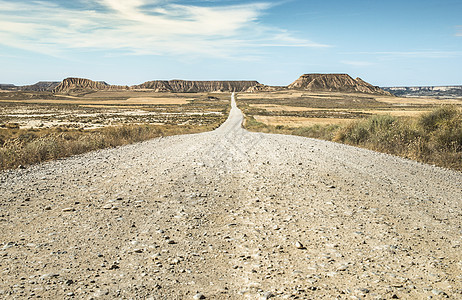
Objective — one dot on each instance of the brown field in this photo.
(423, 129)
(152, 100)
(285, 108)
(329, 107)
(299, 121)
(38, 126)
(419, 101)
(275, 107)
(100, 101)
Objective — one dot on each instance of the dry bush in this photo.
(27, 147)
(435, 137)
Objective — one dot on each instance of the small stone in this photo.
(171, 242)
(107, 206)
(268, 295)
(299, 245)
(438, 292)
(68, 209)
(198, 296)
(342, 268)
(138, 250)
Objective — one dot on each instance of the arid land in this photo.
(303, 108)
(231, 214)
(98, 109)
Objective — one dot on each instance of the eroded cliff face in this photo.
(309, 82)
(184, 86)
(335, 83)
(82, 85)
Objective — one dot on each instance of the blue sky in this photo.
(387, 43)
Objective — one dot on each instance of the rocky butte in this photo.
(78, 85)
(184, 86)
(335, 83)
(308, 82)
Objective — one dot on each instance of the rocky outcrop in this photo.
(335, 83)
(184, 86)
(82, 85)
(41, 86)
(8, 87)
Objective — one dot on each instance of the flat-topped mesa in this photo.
(79, 85)
(335, 83)
(184, 86)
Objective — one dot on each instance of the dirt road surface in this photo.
(231, 214)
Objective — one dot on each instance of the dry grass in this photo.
(151, 100)
(24, 147)
(36, 127)
(299, 121)
(434, 137)
(130, 101)
(418, 101)
(422, 129)
(399, 112)
(275, 107)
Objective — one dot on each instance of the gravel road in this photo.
(231, 214)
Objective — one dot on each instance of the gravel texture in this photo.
(231, 214)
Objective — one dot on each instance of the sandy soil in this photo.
(231, 214)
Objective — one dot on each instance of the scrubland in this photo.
(426, 130)
(36, 127)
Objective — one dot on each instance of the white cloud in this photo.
(156, 27)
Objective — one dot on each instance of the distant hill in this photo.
(8, 87)
(308, 82)
(41, 86)
(335, 83)
(184, 86)
(427, 91)
(81, 85)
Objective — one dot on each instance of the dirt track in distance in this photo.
(231, 214)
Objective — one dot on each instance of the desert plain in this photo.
(226, 214)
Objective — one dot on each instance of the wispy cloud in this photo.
(141, 27)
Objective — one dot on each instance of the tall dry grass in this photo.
(25, 147)
(434, 137)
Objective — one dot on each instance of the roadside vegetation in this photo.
(21, 147)
(36, 127)
(434, 137)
